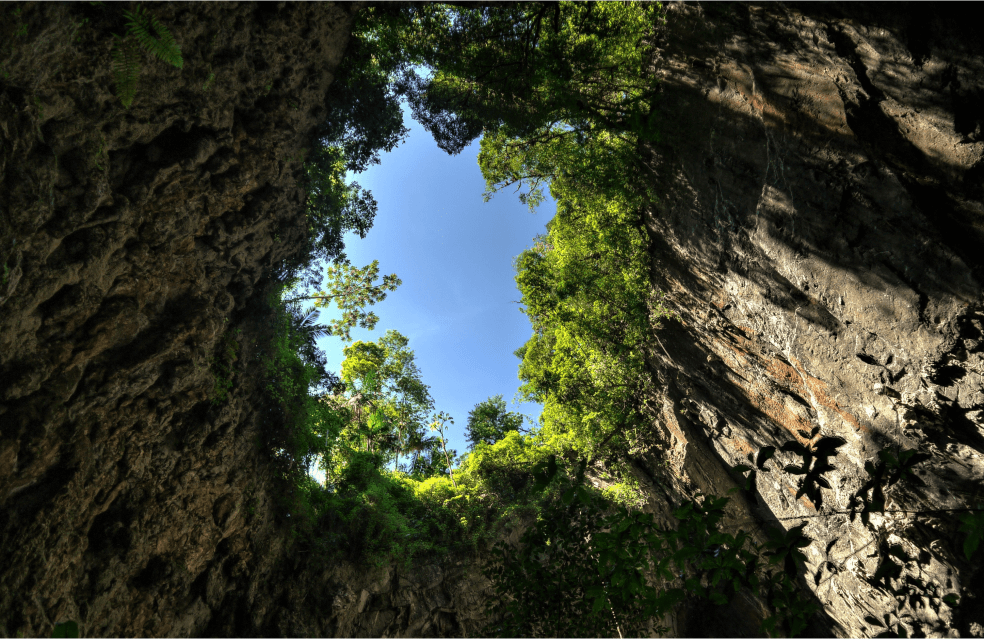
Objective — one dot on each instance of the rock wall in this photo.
(818, 234)
(135, 248)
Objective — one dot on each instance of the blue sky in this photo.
(455, 254)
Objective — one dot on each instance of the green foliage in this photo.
(222, 367)
(126, 51)
(364, 115)
(333, 206)
(562, 96)
(126, 69)
(524, 67)
(352, 289)
(489, 421)
(378, 517)
(163, 46)
(364, 118)
(294, 368)
(390, 402)
(585, 289)
(66, 629)
(973, 525)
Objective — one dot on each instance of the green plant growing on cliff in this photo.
(209, 81)
(222, 367)
(126, 51)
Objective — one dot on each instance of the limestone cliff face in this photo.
(819, 234)
(136, 245)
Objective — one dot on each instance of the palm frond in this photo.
(307, 322)
(308, 325)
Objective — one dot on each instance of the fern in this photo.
(126, 70)
(163, 46)
(126, 65)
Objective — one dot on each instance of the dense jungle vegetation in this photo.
(561, 97)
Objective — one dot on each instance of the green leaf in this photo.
(163, 46)
(951, 600)
(126, 70)
(718, 598)
(888, 458)
(568, 497)
(973, 525)
(685, 512)
(598, 604)
(66, 629)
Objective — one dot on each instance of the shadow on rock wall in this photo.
(818, 233)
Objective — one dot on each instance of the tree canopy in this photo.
(489, 422)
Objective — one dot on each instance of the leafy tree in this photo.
(427, 456)
(333, 206)
(525, 67)
(363, 119)
(440, 420)
(389, 398)
(364, 115)
(408, 398)
(352, 289)
(489, 421)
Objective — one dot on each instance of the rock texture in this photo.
(818, 235)
(136, 246)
